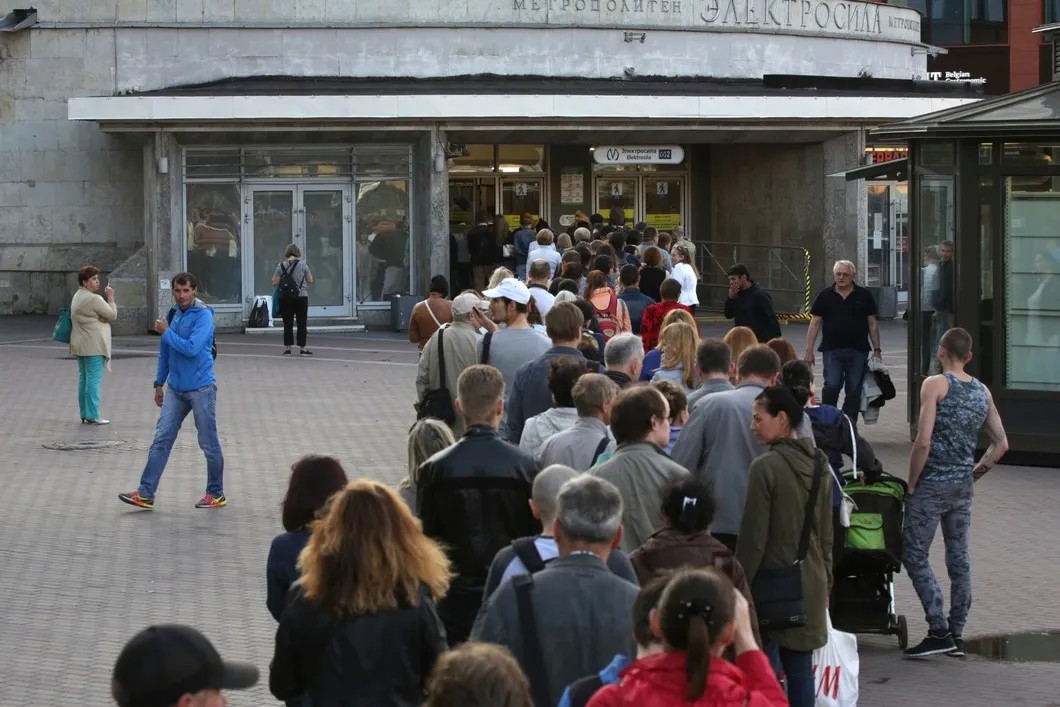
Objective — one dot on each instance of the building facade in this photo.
(152, 136)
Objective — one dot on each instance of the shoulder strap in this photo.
(441, 359)
(853, 445)
(581, 691)
(532, 655)
(804, 538)
(600, 449)
(170, 314)
(486, 340)
(526, 551)
(427, 304)
(612, 306)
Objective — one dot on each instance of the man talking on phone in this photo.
(954, 406)
(185, 361)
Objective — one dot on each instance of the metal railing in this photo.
(781, 270)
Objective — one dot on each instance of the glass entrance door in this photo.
(317, 220)
(617, 193)
(520, 196)
(662, 201)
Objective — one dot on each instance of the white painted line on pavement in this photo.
(235, 355)
(24, 341)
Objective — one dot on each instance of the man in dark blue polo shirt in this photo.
(845, 315)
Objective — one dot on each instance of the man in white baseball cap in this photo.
(517, 342)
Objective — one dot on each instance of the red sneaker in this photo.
(211, 501)
(135, 498)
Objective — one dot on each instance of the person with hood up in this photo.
(778, 489)
(185, 361)
(699, 616)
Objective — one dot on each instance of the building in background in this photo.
(148, 137)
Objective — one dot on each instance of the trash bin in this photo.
(401, 310)
(886, 301)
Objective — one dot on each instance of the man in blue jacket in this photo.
(185, 359)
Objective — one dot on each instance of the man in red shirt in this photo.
(651, 322)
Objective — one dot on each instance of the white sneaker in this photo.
(97, 421)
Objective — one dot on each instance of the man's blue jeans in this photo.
(89, 382)
(797, 670)
(844, 368)
(176, 405)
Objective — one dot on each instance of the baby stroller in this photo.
(863, 589)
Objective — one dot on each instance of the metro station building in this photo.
(152, 137)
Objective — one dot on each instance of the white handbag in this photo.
(835, 670)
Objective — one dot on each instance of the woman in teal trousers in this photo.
(90, 318)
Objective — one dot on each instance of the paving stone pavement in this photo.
(81, 572)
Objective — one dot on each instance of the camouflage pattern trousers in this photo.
(948, 504)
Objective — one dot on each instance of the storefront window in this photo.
(953, 22)
(383, 242)
(985, 343)
(1031, 155)
(1032, 283)
(214, 245)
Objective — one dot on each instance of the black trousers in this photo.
(291, 309)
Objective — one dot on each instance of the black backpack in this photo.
(213, 342)
(289, 289)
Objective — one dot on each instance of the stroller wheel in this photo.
(903, 633)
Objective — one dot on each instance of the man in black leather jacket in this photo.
(474, 496)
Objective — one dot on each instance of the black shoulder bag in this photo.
(486, 340)
(438, 402)
(533, 658)
(778, 593)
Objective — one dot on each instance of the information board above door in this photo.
(638, 154)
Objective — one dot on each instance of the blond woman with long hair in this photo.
(739, 339)
(361, 627)
(653, 358)
(427, 437)
(678, 343)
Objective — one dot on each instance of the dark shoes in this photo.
(305, 352)
(936, 643)
(958, 651)
(286, 352)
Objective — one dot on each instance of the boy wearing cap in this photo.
(510, 347)
(460, 339)
(175, 666)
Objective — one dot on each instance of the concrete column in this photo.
(437, 191)
(845, 207)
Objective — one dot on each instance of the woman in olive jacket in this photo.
(778, 488)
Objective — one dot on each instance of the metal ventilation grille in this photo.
(298, 162)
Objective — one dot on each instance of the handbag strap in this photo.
(441, 359)
(853, 445)
(427, 304)
(804, 538)
(535, 666)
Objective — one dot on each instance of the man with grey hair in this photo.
(532, 554)
(624, 359)
(573, 616)
(582, 235)
(581, 445)
(845, 316)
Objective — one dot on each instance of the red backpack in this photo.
(608, 318)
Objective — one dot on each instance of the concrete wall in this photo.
(69, 194)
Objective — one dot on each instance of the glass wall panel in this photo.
(473, 158)
(273, 225)
(518, 197)
(955, 22)
(935, 309)
(1032, 283)
(521, 158)
(984, 345)
(662, 202)
(1031, 155)
(324, 252)
(214, 243)
(383, 242)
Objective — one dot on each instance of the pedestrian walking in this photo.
(699, 616)
(292, 277)
(432, 313)
(624, 358)
(544, 249)
(175, 665)
(635, 300)
(778, 531)
(426, 438)
(478, 675)
(570, 618)
(653, 272)
(954, 407)
(677, 342)
(361, 627)
(185, 363)
(714, 359)
(652, 322)
(653, 357)
(640, 469)
(538, 279)
(739, 339)
(563, 374)
(685, 272)
(580, 446)
(750, 306)
(523, 240)
(677, 403)
(611, 312)
(474, 496)
(845, 317)
(90, 341)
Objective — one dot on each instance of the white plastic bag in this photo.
(835, 670)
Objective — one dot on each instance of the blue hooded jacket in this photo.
(184, 356)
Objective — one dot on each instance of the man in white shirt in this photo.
(539, 276)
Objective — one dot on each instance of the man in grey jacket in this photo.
(579, 446)
(640, 469)
(714, 359)
(717, 445)
(581, 612)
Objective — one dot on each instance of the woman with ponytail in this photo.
(699, 616)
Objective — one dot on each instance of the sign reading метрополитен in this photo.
(843, 18)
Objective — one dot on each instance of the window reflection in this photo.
(214, 241)
(383, 243)
(1032, 269)
(935, 309)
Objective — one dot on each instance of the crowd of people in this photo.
(602, 520)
